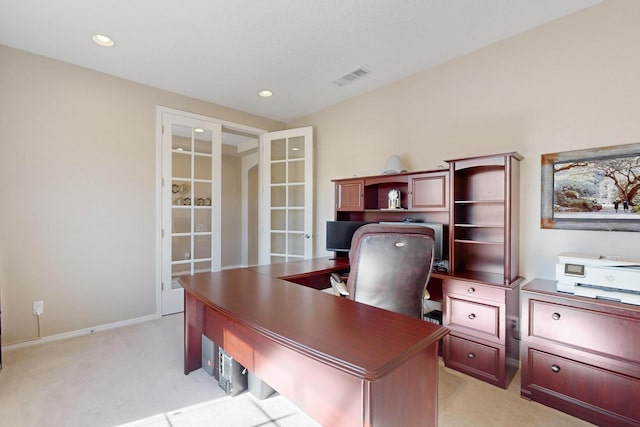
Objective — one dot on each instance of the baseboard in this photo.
(80, 332)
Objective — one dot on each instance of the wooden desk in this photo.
(342, 362)
(313, 273)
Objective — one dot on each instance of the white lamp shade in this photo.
(393, 165)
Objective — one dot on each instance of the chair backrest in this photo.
(391, 266)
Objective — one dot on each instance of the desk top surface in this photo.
(307, 267)
(357, 338)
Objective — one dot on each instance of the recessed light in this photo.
(198, 130)
(103, 40)
(265, 93)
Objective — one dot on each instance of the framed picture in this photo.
(593, 189)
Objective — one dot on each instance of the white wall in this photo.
(78, 211)
(568, 85)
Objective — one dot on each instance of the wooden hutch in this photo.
(477, 201)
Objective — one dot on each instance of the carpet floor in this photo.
(132, 376)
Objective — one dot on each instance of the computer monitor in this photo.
(340, 233)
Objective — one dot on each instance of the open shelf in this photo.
(484, 215)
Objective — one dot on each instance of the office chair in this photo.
(390, 267)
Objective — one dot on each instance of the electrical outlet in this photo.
(38, 308)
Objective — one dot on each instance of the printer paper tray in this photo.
(607, 294)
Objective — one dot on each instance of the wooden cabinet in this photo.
(423, 197)
(581, 355)
(350, 195)
(483, 233)
(477, 201)
(483, 323)
(429, 191)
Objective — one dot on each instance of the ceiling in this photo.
(226, 51)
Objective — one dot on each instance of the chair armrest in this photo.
(339, 287)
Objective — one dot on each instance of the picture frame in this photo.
(587, 189)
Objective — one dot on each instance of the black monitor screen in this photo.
(340, 233)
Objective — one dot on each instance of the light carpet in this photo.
(240, 411)
(134, 376)
(245, 410)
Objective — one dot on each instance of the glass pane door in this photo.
(191, 223)
(191, 188)
(288, 204)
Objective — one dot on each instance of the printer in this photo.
(599, 276)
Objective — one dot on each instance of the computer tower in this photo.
(210, 357)
(434, 316)
(232, 375)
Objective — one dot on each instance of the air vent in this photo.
(351, 77)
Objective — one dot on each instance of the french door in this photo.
(191, 197)
(286, 205)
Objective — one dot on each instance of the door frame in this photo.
(229, 126)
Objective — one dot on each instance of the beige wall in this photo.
(253, 208)
(568, 85)
(78, 210)
(231, 247)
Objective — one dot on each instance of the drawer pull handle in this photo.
(471, 290)
(471, 316)
(471, 355)
(555, 316)
(555, 368)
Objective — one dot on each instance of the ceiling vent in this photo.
(351, 77)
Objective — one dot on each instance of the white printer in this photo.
(598, 276)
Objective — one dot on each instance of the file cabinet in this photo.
(483, 323)
(581, 355)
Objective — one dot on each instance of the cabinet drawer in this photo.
(475, 290)
(585, 386)
(590, 330)
(479, 360)
(483, 320)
